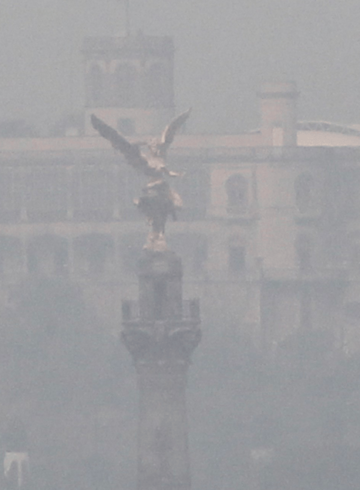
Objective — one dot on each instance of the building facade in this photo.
(269, 237)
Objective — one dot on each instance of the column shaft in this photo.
(163, 458)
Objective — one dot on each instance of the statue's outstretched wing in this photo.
(169, 133)
(130, 151)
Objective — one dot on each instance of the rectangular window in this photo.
(193, 188)
(46, 196)
(93, 194)
(10, 194)
(126, 126)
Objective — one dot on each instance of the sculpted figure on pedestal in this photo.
(158, 200)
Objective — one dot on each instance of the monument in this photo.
(161, 330)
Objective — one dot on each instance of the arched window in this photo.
(304, 192)
(125, 85)
(95, 83)
(304, 250)
(237, 193)
(156, 86)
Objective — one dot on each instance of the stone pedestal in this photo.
(161, 332)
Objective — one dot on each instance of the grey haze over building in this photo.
(224, 51)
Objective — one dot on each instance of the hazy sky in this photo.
(224, 50)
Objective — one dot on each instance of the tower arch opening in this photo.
(125, 85)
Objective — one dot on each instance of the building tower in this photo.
(278, 113)
(161, 332)
(129, 82)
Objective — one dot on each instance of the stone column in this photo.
(161, 335)
(278, 113)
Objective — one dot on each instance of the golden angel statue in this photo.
(158, 199)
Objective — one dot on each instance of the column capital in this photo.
(160, 344)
